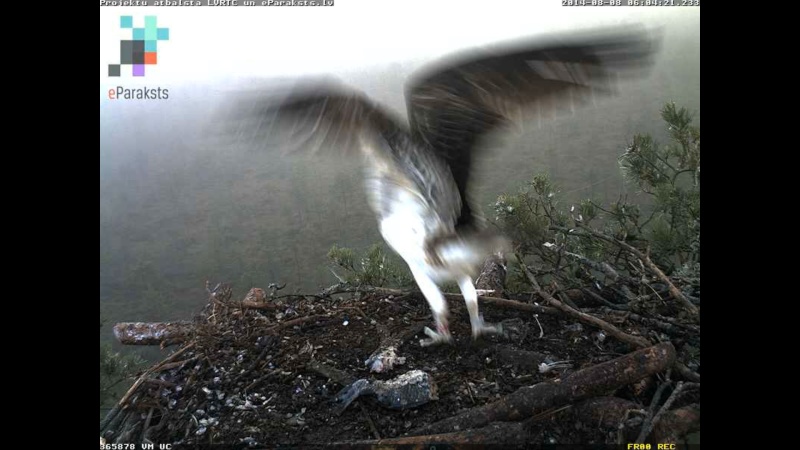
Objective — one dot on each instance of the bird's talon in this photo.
(435, 338)
(481, 328)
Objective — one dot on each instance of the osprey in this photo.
(417, 172)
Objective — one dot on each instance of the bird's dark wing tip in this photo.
(621, 47)
(281, 114)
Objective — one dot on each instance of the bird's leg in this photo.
(441, 335)
(479, 327)
(438, 305)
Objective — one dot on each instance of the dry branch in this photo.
(648, 420)
(666, 327)
(648, 425)
(493, 275)
(489, 300)
(645, 259)
(686, 372)
(585, 383)
(615, 332)
(113, 418)
(152, 333)
(511, 304)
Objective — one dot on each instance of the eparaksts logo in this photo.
(141, 50)
(135, 55)
(144, 93)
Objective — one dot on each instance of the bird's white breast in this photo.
(409, 218)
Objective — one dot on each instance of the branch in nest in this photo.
(677, 423)
(674, 291)
(585, 383)
(112, 418)
(636, 341)
(151, 333)
(496, 301)
(648, 425)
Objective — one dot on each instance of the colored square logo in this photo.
(141, 49)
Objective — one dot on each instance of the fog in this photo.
(178, 208)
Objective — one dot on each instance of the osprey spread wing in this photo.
(417, 172)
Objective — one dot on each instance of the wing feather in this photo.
(455, 103)
(310, 115)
